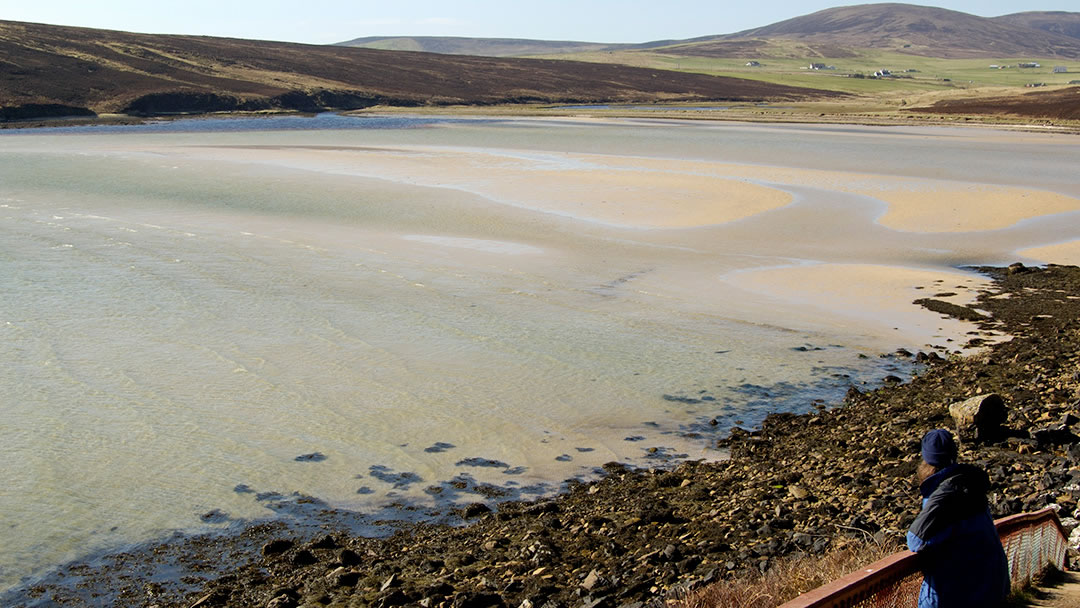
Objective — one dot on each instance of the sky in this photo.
(329, 21)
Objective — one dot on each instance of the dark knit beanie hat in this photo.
(938, 448)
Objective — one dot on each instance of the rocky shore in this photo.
(799, 484)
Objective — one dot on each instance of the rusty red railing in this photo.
(1032, 541)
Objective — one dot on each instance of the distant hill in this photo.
(836, 32)
(485, 47)
(907, 28)
(918, 30)
(1055, 22)
(55, 70)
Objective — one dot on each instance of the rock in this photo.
(1074, 540)
(388, 583)
(1069, 524)
(276, 547)
(348, 557)
(670, 553)
(1069, 419)
(303, 558)
(1017, 268)
(282, 601)
(592, 580)
(326, 542)
(475, 509)
(477, 600)
(798, 492)
(1053, 436)
(394, 598)
(979, 418)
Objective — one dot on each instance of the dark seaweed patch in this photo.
(401, 479)
(312, 457)
(482, 462)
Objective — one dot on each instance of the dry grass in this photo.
(787, 578)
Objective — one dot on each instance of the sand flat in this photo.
(1061, 253)
(598, 188)
(865, 294)
(951, 207)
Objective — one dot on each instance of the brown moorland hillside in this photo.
(1062, 104)
(918, 30)
(1056, 22)
(53, 70)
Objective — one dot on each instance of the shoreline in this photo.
(730, 112)
(800, 483)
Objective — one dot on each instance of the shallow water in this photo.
(185, 314)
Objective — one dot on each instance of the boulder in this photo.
(979, 418)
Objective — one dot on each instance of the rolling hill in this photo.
(56, 70)
(1056, 22)
(905, 28)
(485, 47)
(836, 32)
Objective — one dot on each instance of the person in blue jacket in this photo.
(960, 553)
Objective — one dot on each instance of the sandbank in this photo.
(1061, 253)
(645, 192)
(951, 207)
(856, 293)
(593, 188)
(923, 205)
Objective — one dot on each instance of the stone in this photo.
(475, 509)
(303, 558)
(979, 418)
(1053, 436)
(591, 581)
(348, 557)
(670, 553)
(1074, 540)
(1069, 524)
(798, 492)
(276, 547)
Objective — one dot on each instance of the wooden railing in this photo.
(1032, 541)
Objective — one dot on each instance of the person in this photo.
(960, 553)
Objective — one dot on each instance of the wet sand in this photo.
(657, 193)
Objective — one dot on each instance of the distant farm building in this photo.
(1029, 64)
(821, 66)
(883, 74)
(753, 64)
(1060, 69)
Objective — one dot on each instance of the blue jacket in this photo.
(960, 553)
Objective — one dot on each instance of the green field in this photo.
(785, 66)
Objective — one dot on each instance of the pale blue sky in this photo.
(327, 21)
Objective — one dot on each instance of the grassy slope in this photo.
(107, 70)
(783, 63)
